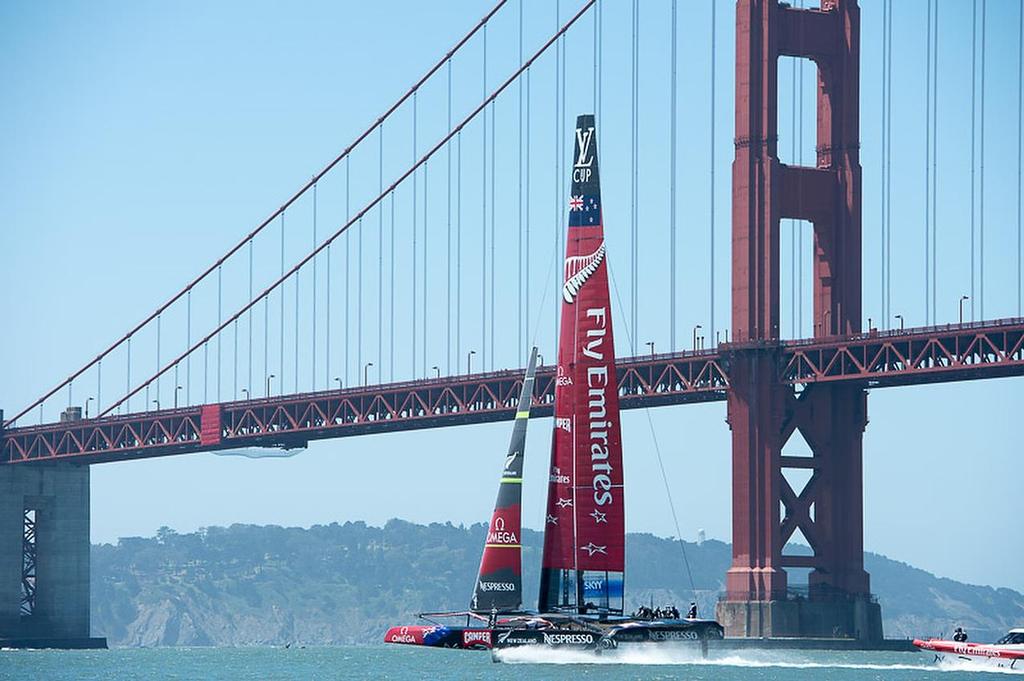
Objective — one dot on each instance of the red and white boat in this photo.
(1007, 652)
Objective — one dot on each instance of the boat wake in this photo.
(660, 654)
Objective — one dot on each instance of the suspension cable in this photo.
(371, 204)
(266, 222)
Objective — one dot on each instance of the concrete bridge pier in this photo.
(44, 556)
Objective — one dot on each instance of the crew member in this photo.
(691, 614)
(960, 636)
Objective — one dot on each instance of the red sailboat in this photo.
(581, 601)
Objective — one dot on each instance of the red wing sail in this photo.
(499, 584)
(584, 538)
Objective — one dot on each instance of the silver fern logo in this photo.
(578, 269)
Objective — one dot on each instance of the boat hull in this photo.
(440, 636)
(606, 636)
(1007, 657)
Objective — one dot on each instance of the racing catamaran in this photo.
(581, 602)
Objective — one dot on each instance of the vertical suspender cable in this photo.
(128, 382)
(220, 318)
(1020, 149)
(558, 168)
(483, 219)
(458, 249)
(974, 108)
(234, 369)
(494, 155)
(520, 347)
(266, 344)
(380, 254)
(297, 353)
(927, 166)
(881, 221)
(672, 180)
(526, 226)
(348, 268)
(888, 170)
(711, 153)
(425, 261)
(327, 323)
(359, 296)
(597, 18)
(981, 174)
(415, 217)
(312, 385)
(448, 247)
(158, 367)
(280, 377)
(563, 146)
(188, 358)
(633, 177)
(249, 380)
(391, 294)
(935, 163)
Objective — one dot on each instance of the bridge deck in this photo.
(912, 356)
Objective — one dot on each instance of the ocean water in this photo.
(404, 662)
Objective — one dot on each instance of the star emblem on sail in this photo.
(552, 520)
(591, 549)
(598, 517)
(578, 269)
(562, 503)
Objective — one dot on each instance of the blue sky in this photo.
(140, 141)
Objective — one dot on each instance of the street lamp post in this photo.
(366, 373)
(338, 379)
(269, 379)
(87, 401)
(695, 330)
(244, 390)
(469, 361)
(650, 344)
(437, 371)
(962, 300)
(176, 389)
(899, 317)
(157, 403)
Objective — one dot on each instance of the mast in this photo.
(582, 569)
(499, 584)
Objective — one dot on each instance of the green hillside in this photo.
(344, 584)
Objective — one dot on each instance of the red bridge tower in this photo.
(763, 412)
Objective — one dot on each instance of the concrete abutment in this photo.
(44, 556)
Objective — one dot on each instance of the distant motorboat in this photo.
(1006, 653)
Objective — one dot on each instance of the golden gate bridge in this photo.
(436, 214)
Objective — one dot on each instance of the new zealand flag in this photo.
(585, 210)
